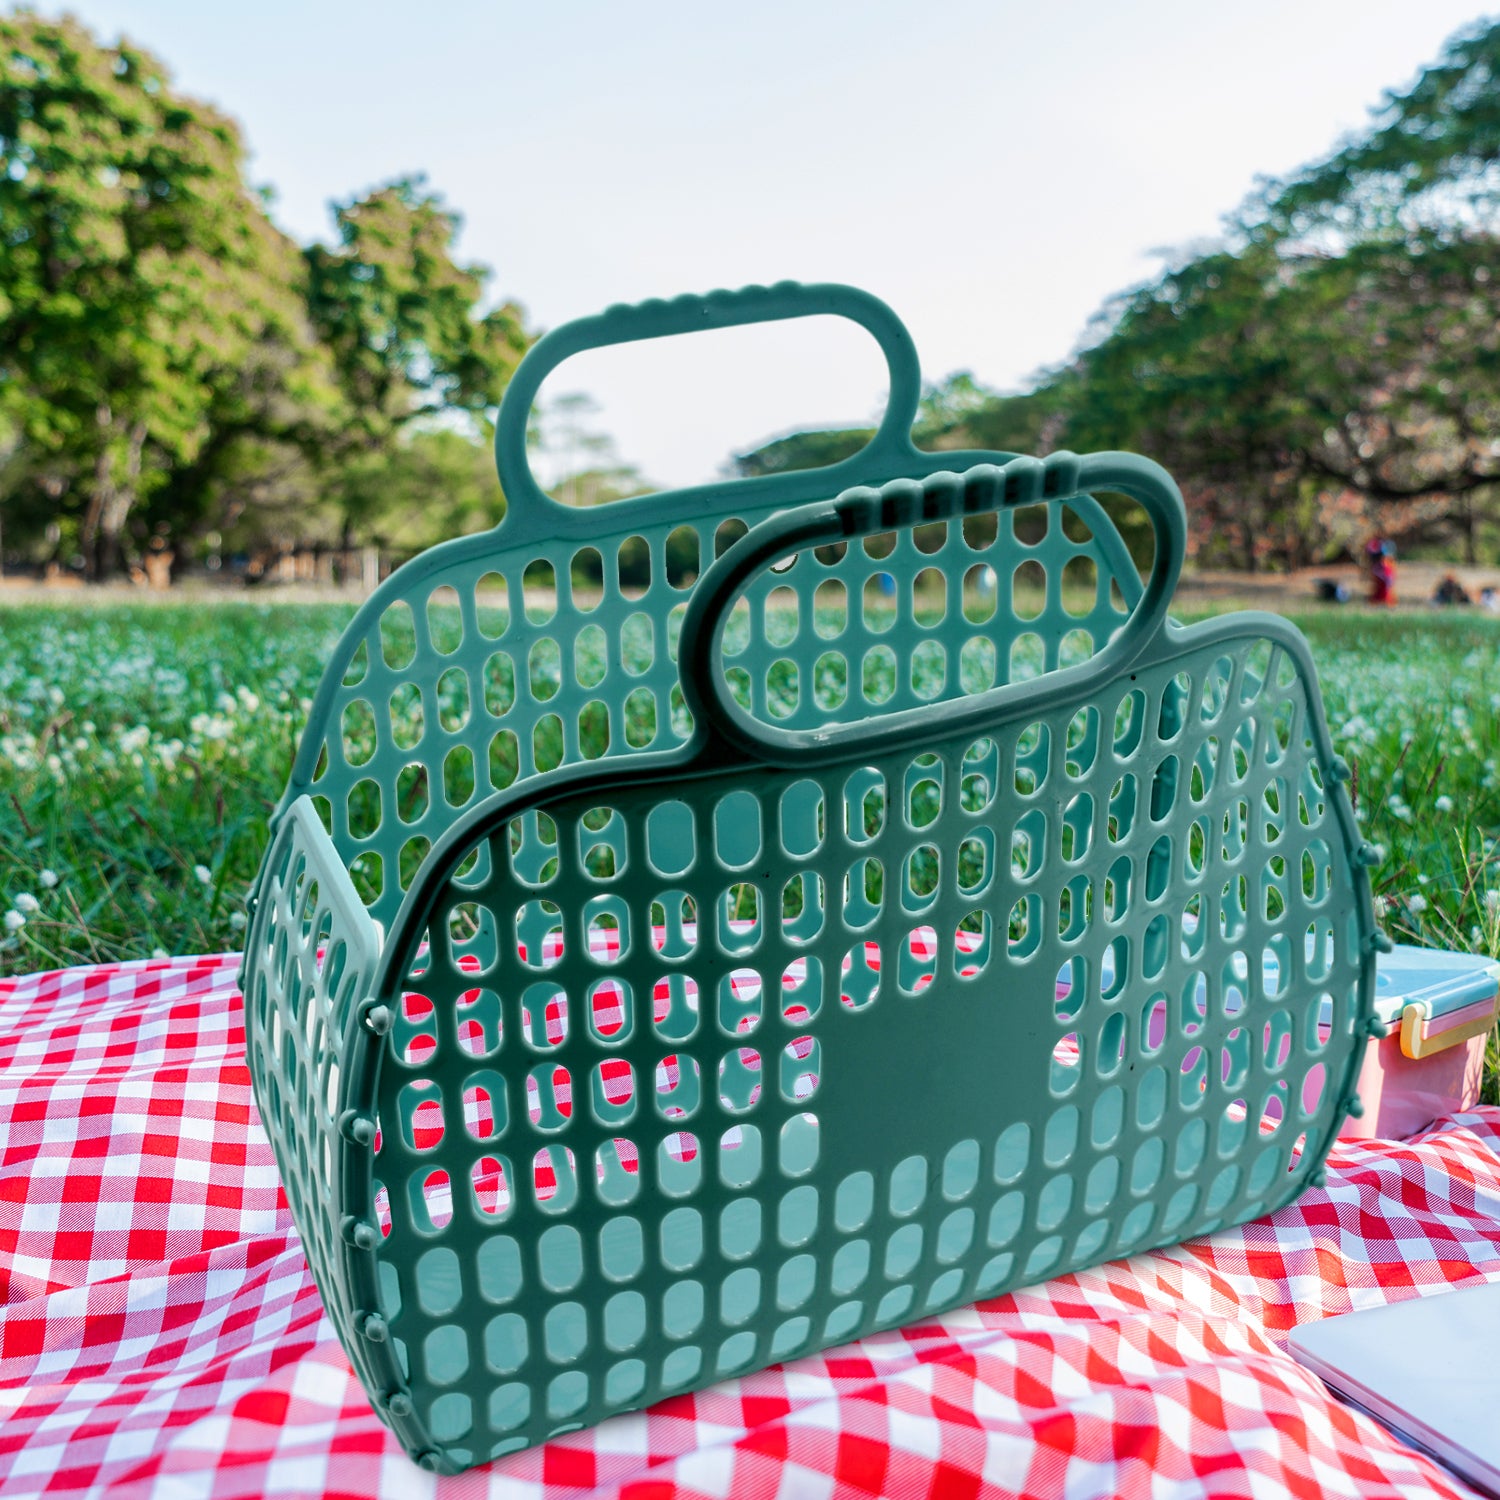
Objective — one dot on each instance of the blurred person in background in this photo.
(1380, 558)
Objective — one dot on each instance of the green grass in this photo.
(143, 746)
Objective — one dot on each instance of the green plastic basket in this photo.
(942, 934)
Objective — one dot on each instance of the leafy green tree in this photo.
(139, 274)
(946, 403)
(1429, 160)
(802, 450)
(1403, 378)
(1403, 222)
(1199, 370)
(267, 424)
(402, 320)
(1027, 422)
(1270, 380)
(1343, 347)
(431, 485)
(1395, 235)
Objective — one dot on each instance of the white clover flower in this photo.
(27, 904)
(203, 875)
(237, 920)
(48, 878)
(13, 920)
(1444, 804)
(56, 697)
(1417, 904)
(160, 953)
(1379, 852)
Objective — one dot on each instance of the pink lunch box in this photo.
(1439, 1009)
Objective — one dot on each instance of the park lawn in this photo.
(142, 747)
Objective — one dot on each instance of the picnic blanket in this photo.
(160, 1334)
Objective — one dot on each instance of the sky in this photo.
(993, 170)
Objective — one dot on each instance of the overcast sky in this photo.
(992, 170)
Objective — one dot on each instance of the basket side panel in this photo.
(759, 1061)
(308, 963)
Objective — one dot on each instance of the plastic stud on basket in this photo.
(942, 918)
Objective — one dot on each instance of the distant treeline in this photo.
(1331, 371)
(177, 376)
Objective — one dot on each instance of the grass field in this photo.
(142, 747)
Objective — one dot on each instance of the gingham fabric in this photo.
(161, 1335)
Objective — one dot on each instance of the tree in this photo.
(802, 450)
(1199, 369)
(256, 467)
(1429, 160)
(1027, 422)
(401, 318)
(1276, 382)
(946, 403)
(170, 362)
(430, 486)
(1335, 367)
(1405, 377)
(1408, 215)
(139, 272)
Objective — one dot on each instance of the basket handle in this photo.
(623, 324)
(895, 506)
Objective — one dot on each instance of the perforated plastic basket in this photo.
(944, 936)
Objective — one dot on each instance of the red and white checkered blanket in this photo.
(161, 1336)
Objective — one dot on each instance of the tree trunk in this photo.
(122, 501)
(112, 501)
(1290, 547)
(1247, 533)
(99, 498)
